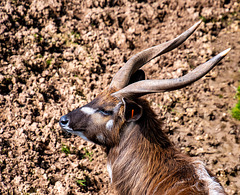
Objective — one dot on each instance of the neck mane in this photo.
(146, 162)
(143, 158)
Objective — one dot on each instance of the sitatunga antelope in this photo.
(141, 158)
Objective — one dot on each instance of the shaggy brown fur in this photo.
(146, 162)
(141, 157)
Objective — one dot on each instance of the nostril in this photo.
(64, 120)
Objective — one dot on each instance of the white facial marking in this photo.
(214, 187)
(109, 125)
(88, 110)
(101, 138)
(109, 168)
(117, 107)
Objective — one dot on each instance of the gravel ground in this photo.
(56, 56)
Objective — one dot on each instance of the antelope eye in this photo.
(105, 112)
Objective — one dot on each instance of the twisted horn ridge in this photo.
(144, 87)
(122, 77)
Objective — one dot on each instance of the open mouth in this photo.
(67, 129)
(70, 130)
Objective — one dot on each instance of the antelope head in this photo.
(102, 120)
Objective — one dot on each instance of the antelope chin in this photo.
(78, 132)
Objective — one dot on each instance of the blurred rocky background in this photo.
(57, 55)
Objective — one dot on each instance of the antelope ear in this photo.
(137, 76)
(133, 111)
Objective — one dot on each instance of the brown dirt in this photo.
(57, 55)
